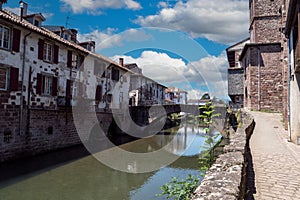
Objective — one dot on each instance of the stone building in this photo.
(236, 74)
(143, 90)
(263, 58)
(44, 74)
(292, 33)
(175, 95)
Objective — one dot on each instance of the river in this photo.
(74, 174)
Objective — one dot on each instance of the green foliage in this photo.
(207, 113)
(183, 190)
(180, 190)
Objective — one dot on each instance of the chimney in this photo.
(23, 9)
(121, 61)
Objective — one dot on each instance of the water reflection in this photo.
(87, 178)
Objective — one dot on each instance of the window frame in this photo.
(47, 91)
(7, 76)
(48, 52)
(9, 40)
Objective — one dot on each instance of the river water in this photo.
(74, 174)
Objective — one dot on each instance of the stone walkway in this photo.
(276, 162)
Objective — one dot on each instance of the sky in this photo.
(177, 43)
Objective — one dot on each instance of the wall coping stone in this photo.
(226, 177)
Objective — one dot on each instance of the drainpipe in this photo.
(258, 64)
(22, 92)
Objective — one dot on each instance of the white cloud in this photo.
(195, 94)
(223, 21)
(16, 10)
(210, 71)
(109, 38)
(93, 6)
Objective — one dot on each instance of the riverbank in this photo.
(226, 178)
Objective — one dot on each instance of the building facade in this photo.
(44, 74)
(264, 58)
(292, 33)
(175, 95)
(236, 74)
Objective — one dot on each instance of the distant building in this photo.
(175, 96)
(143, 91)
(236, 74)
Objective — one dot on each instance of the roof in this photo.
(256, 45)
(15, 19)
(241, 43)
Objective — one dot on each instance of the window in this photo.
(37, 23)
(48, 52)
(74, 60)
(9, 78)
(115, 74)
(47, 85)
(5, 33)
(3, 78)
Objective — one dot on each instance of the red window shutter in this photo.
(41, 49)
(98, 95)
(16, 40)
(55, 59)
(69, 59)
(54, 86)
(68, 89)
(14, 79)
(39, 84)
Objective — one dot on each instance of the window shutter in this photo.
(98, 95)
(95, 67)
(81, 58)
(16, 40)
(54, 86)
(55, 58)
(68, 89)
(69, 59)
(14, 79)
(41, 49)
(39, 84)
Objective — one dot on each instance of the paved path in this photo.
(276, 162)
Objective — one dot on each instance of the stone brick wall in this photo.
(266, 7)
(235, 81)
(226, 179)
(267, 29)
(47, 130)
(271, 83)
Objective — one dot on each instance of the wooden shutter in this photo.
(39, 84)
(68, 89)
(14, 79)
(69, 59)
(54, 86)
(98, 96)
(81, 57)
(41, 49)
(55, 58)
(16, 40)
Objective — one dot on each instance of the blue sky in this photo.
(178, 43)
